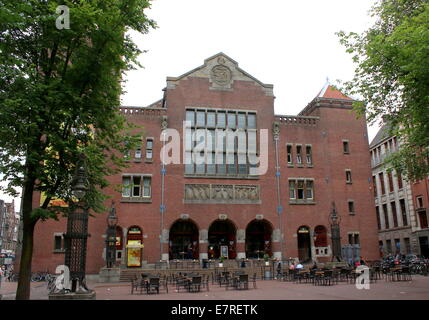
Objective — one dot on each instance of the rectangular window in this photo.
(400, 183)
(357, 240)
(351, 206)
(221, 163)
(390, 178)
(136, 186)
(201, 119)
(126, 187)
(149, 148)
(211, 166)
(374, 185)
(299, 154)
(423, 219)
(190, 116)
(232, 120)
(289, 154)
(221, 120)
(308, 155)
(189, 166)
(251, 121)
(346, 149)
(348, 176)
(397, 245)
(211, 119)
(309, 190)
(292, 190)
(381, 176)
(386, 216)
(138, 153)
(377, 211)
(241, 121)
(242, 164)
(394, 214)
(300, 189)
(403, 212)
(58, 242)
(419, 202)
(231, 161)
(147, 187)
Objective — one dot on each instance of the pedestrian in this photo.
(362, 262)
(314, 267)
(292, 266)
(279, 269)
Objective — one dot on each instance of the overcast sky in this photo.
(290, 44)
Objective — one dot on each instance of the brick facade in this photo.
(322, 125)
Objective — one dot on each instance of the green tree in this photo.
(392, 77)
(59, 98)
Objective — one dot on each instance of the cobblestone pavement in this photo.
(417, 289)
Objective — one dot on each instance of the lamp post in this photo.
(112, 221)
(77, 232)
(335, 220)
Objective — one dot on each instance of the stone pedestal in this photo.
(73, 296)
(109, 275)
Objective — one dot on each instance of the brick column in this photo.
(203, 244)
(165, 244)
(276, 245)
(241, 244)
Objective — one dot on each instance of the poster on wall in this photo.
(224, 251)
(134, 253)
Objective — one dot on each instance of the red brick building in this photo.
(420, 194)
(222, 207)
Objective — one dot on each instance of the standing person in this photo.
(279, 269)
(362, 262)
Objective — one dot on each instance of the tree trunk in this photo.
(23, 290)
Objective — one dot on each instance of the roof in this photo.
(329, 91)
(381, 135)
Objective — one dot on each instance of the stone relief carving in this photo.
(221, 75)
(164, 122)
(241, 234)
(223, 216)
(276, 130)
(259, 217)
(221, 193)
(276, 237)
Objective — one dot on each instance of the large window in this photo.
(301, 190)
(386, 217)
(219, 142)
(149, 148)
(381, 176)
(390, 177)
(136, 186)
(403, 212)
(394, 214)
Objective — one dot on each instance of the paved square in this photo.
(417, 289)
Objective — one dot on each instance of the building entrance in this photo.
(304, 244)
(258, 239)
(424, 247)
(184, 240)
(222, 234)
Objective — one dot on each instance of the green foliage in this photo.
(392, 77)
(60, 93)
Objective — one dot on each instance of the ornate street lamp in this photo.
(335, 220)
(77, 232)
(112, 221)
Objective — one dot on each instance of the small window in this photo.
(126, 186)
(419, 202)
(221, 120)
(298, 154)
(308, 155)
(211, 119)
(309, 190)
(289, 154)
(190, 116)
(251, 121)
(292, 194)
(377, 211)
(241, 121)
(138, 153)
(149, 149)
(346, 149)
(232, 120)
(146, 187)
(348, 176)
(400, 183)
(58, 242)
(351, 205)
(136, 186)
(390, 177)
(383, 189)
(201, 119)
